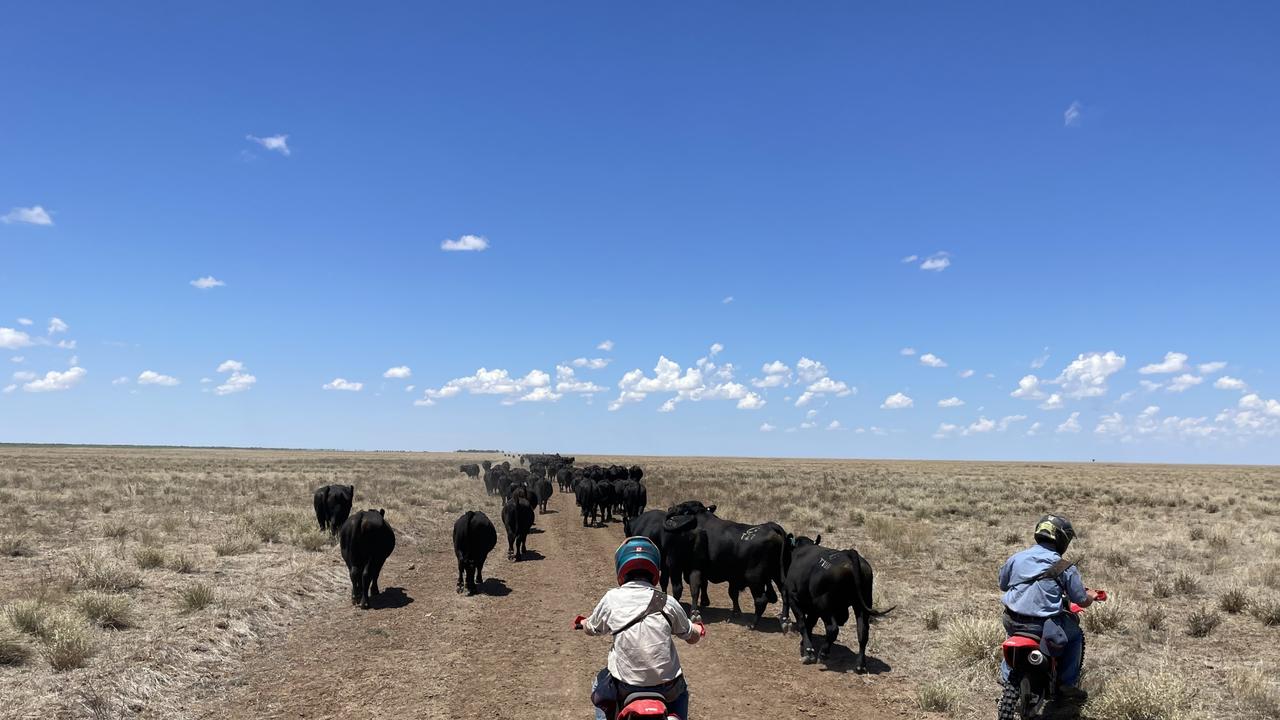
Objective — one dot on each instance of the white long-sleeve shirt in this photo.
(644, 654)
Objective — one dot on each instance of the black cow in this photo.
(491, 477)
(538, 468)
(367, 541)
(517, 518)
(632, 496)
(333, 505)
(486, 464)
(636, 473)
(564, 477)
(753, 557)
(543, 489)
(606, 497)
(674, 546)
(586, 496)
(825, 583)
(473, 537)
(471, 470)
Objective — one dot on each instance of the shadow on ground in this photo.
(389, 599)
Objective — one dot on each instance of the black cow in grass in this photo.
(750, 557)
(636, 473)
(333, 505)
(367, 541)
(564, 478)
(585, 493)
(471, 470)
(632, 496)
(486, 464)
(473, 537)
(517, 518)
(543, 489)
(823, 583)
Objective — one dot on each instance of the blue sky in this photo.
(1084, 189)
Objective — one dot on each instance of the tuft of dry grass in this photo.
(1267, 612)
(938, 696)
(1152, 617)
(148, 557)
(116, 530)
(105, 610)
(1202, 621)
(66, 642)
(933, 619)
(13, 651)
(15, 545)
(27, 616)
(183, 563)
(197, 597)
(1104, 617)
(236, 543)
(1141, 697)
(1256, 692)
(1186, 584)
(1233, 601)
(973, 641)
(95, 571)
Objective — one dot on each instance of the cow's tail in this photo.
(864, 603)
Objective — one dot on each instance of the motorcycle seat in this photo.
(643, 695)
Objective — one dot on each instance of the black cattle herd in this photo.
(698, 547)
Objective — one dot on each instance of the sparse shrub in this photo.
(116, 530)
(67, 642)
(311, 540)
(12, 650)
(974, 641)
(899, 537)
(236, 543)
(1234, 601)
(1256, 692)
(197, 597)
(27, 616)
(932, 619)
(1219, 540)
(1103, 617)
(1140, 697)
(1197, 533)
(1202, 621)
(105, 610)
(15, 546)
(94, 571)
(1115, 558)
(1267, 612)
(148, 557)
(1152, 617)
(938, 696)
(1186, 584)
(184, 563)
(1161, 589)
(1012, 538)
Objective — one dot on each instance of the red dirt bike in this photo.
(1033, 674)
(639, 705)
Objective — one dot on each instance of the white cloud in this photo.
(424, 402)
(11, 339)
(1071, 424)
(120, 381)
(31, 216)
(74, 360)
(1150, 386)
(907, 351)
(24, 376)
(409, 388)
(1071, 116)
(400, 372)
(24, 321)
(981, 425)
(827, 385)
(728, 299)
(54, 380)
(810, 370)
(606, 346)
(205, 380)
(1008, 420)
(592, 363)
(1226, 382)
(1253, 402)
(1184, 382)
(1210, 368)
(9, 389)
(239, 380)
(67, 344)
(274, 143)
(341, 384)
(766, 427)
(494, 382)
(910, 259)
(937, 262)
(1040, 361)
(716, 349)
(1028, 388)
(932, 360)
(17, 358)
(1087, 375)
(566, 382)
(1053, 403)
(540, 394)
(896, 401)
(56, 325)
(692, 385)
(1174, 362)
(472, 243)
(751, 401)
(834, 425)
(207, 282)
(776, 374)
(151, 377)
(1034, 429)
(944, 430)
(1112, 424)
(950, 402)
(965, 373)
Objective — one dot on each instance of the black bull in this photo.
(823, 583)
(704, 548)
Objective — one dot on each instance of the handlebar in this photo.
(577, 622)
(1102, 595)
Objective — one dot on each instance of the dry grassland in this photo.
(136, 579)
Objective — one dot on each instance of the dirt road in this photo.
(427, 652)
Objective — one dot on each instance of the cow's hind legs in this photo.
(807, 654)
(761, 602)
(833, 631)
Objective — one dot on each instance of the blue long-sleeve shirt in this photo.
(1043, 598)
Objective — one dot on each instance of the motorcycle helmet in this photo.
(637, 553)
(1056, 531)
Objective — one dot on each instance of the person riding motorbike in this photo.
(642, 620)
(1038, 588)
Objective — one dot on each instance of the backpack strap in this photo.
(1054, 573)
(657, 604)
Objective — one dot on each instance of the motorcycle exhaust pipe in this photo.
(1035, 657)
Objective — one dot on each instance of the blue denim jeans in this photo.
(679, 706)
(1060, 637)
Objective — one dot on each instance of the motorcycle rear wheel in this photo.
(1009, 706)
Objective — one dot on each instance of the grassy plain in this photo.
(137, 578)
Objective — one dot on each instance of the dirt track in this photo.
(427, 652)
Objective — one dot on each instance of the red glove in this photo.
(577, 622)
(1102, 595)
